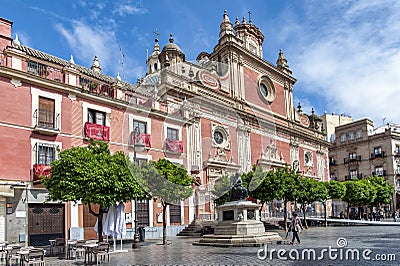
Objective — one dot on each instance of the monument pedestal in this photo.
(239, 225)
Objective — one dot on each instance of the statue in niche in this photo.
(272, 151)
(238, 192)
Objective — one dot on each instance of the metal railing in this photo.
(45, 71)
(378, 155)
(353, 159)
(47, 119)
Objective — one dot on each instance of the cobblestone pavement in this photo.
(382, 241)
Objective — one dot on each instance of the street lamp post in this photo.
(136, 133)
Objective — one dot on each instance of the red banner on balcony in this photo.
(173, 145)
(98, 132)
(143, 139)
(40, 170)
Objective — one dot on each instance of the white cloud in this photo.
(353, 61)
(88, 41)
(129, 9)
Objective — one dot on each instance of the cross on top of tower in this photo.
(250, 21)
(156, 33)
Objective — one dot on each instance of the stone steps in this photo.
(196, 229)
(269, 226)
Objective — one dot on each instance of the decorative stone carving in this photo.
(72, 97)
(308, 159)
(378, 161)
(17, 83)
(220, 136)
(272, 151)
(221, 155)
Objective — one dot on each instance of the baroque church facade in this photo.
(220, 115)
(239, 109)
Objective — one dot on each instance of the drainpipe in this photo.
(26, 215)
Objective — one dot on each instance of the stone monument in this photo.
(238, 222)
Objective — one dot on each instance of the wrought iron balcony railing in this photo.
(45, 119)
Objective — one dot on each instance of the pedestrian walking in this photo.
(288, 231)
(295, 227)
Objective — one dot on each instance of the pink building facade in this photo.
(221, 115)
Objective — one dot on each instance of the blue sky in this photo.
(344, 54)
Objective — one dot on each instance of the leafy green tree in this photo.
(92, 175)
(321, 194)
(359, 192)
(263, 185)
(306, 194)
(336, 190)
(168, 182)
(384, 190)
(288, 189)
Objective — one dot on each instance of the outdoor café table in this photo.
(70, 248)
(88, 250)
(22, 253)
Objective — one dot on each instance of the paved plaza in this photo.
(382, 241)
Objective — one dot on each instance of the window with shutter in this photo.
(46, 112)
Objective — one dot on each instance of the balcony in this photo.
(349, 177)
(44, 71)
(142, 139)
(40, 170)
(173, 146)
(383, 173)
(95, 87)
(97, 132)
(46, 122)
(377, 155)
(353, 159)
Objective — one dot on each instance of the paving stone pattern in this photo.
(379, 239)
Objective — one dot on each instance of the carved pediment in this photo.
(378, 161)
(272, 156)
(220, 165)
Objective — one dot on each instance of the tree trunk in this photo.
(260, 210)
(303, 207)
(348, 211)
(100, 227)
(285, 215)
(164, 223)
(99, 220)
(326, 222)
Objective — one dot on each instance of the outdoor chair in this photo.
(35, 257)
(58, 244)
(101, 251)
(3, 252)
(79, 249)
(13, 255)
